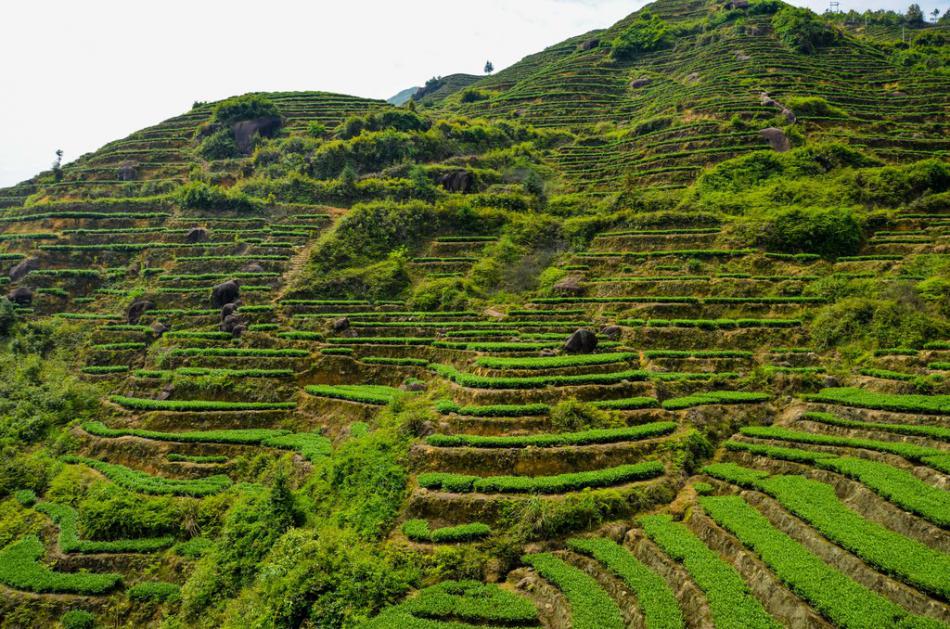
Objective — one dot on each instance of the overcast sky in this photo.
(76, 75)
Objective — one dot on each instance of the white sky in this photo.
(76, 75)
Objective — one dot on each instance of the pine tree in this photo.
(489, 67)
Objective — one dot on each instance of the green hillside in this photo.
(650, 329)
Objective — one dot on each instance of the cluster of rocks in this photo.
(227, 297)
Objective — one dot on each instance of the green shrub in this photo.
(917, 430)
(145, 404)
(647, 32)
(363, 393)
(67, 519)
(198, 195)
(591, 606)
(852, 396)
(715, 397)
(246, 107)
(817, 504)
(26, 497)
(882, 322)
(542, 484)
(585, 437)
(813, 106)
(802, 30)
(455, 602)
(654, 597)
(840, 599)
(134, 480)
(78, 619)
(555, 362)
(419, 531)
(218, 145)
(826, 231)
(154, 591)
(21, 569)
(729, 598)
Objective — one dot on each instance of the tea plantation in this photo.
(650, 329)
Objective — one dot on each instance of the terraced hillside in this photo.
(548, 351)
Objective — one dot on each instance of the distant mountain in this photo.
(403, 96)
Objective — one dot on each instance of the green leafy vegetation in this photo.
(660, 607)
(591, 607)
(20, 569)
(837, 597)
(729, 598)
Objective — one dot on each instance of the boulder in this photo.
(245, 130)
(548, 352)
(234, 324)
(692, 77)
(570, 285)
(613, 332)
(196, 234)
(461, 181)
(341, 324)
(742, 56)
(776, 139)
(252, 267)
(589, 44)
(415, 386)
(137, 309)
(581, 342)
(225, 293)
(127, 171)
(228, 309)
(159, 328)
(643, 81)
(21, 296)
(23, 268)
(736, 4)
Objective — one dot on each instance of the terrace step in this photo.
(892, 589)
(778, 601)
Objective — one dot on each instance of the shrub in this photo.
(883, 322)
(419, 531)
(134, 480)
(851, 396)
(841, 599)
(654, 597)
(817, 504)
(154, 591)
(715, 397)
(21, 569)
(591, 606)
(472, 95)
(555, 362)
(542, 484)
(729, 598)
(145, 404)
(813, 105)
(67, 519)
(585, 437)
(363, 393)
(218, 145)
(647, 32)
(198, 195)
(246, 107)
(78, 619)
(802, 30)
(829, 232)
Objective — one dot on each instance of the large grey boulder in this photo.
(225, 293)
(23, 268)
(776, 139)
(581, 342)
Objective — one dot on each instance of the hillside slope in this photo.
(545, 348)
